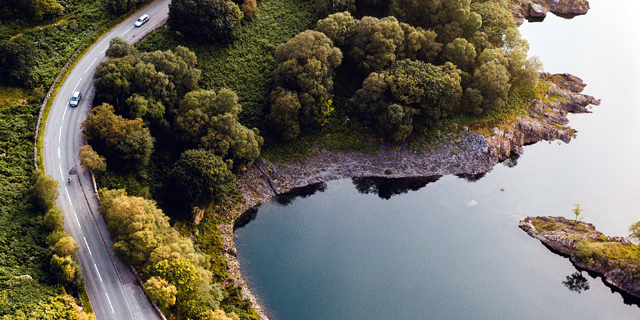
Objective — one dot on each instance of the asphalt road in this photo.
(111, 286)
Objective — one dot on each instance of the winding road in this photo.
(112, 288)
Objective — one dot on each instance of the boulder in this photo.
(537, 11)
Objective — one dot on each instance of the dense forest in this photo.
(224, 84)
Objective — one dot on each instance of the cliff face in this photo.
(537, 9)
(563, 235)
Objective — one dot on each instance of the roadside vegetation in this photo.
(39, 275)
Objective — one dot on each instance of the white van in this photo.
(142, 20)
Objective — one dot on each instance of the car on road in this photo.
(75, 99)
(142, 20)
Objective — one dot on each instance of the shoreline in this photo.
(469, 155)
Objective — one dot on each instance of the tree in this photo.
(119, 48)
(339, 27)
(304, 66)
(201, 177)
(459, 52)
(495, 20)
(420, 44)
(161, 292)
(44, 191)
(134, 151)
(17, 59)
(210, 121)
(524, 71)
(577, 210)
(634, 230)
(145, 84)
(63, 268)
(103, 127)
(377, 43)
(53, 219)
(283, 118)
(43, 8)
(421, 86)
(91, 159)
(491, 80)
(66, 246)
(209, 20)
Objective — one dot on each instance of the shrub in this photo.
(250, 9)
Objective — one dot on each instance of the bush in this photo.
(250, 9)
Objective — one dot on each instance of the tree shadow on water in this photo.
(386, 188)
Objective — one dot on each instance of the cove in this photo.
(452, 248)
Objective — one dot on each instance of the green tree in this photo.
(17, 60)
(161, 292)
(210, 121)
(209, 20)
(283, 118)
(577, 210)
(43, 8)
(91, 159)
(119, 48)
(421, 86)
(420, 44)
(53, 219)
(201, 177)
(103, 127)
(44, 191)
(63, 268)
(459, 52)
(634, 231)
(134, 152)
(305, 66)
(339, 27)
(491, 80)
(496, 18)
(66, 246)
(377, 43)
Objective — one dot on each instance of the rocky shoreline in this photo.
(468, 155)
(562, 235)
(536, 10)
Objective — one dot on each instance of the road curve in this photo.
(111, 285)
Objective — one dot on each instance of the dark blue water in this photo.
(452, 249)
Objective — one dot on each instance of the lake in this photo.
(452, 249)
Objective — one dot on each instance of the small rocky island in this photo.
(615, 259)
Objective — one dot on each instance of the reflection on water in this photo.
(285, 199)
(576, 282)
(386, 188)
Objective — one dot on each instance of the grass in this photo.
(11, 96)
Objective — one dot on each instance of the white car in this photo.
(142, 20)
(75, 99)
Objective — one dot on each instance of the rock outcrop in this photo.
(547, 116)
(562, 235)
(536, 10)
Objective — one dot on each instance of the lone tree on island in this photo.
(577, 211)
